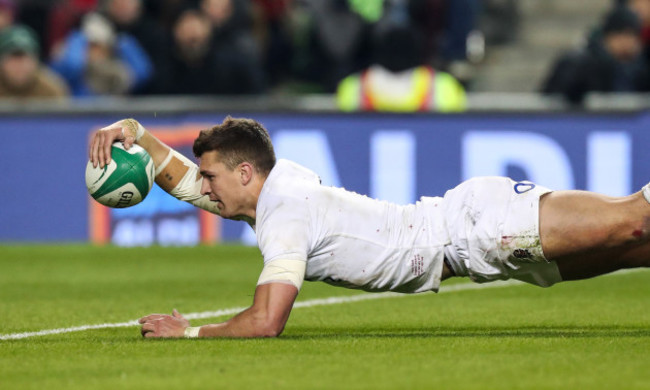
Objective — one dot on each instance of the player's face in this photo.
(222, 185)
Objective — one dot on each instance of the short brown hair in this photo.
(238, 140)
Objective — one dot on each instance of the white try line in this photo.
(297, 305)
(235, 310)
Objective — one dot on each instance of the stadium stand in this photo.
(302, 47)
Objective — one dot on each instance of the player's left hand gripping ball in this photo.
(125, 181)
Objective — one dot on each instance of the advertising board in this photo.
(391, 157)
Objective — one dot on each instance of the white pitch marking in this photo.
(235, 310)
(309, 303)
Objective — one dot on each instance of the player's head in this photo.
(238, 140)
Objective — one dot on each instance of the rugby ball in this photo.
(125, 181)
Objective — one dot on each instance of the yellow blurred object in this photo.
(419, 89)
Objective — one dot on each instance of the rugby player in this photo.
(486, 228)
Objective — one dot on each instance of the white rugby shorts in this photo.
(493, 224)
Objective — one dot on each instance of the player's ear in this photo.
(245, 172)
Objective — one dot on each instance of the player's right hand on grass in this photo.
(103, 139)
(163, 325)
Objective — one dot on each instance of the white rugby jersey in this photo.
(348, 239)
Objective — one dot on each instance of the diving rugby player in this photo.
(489, 228)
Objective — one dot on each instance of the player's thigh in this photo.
(579, 222)
(594, 263)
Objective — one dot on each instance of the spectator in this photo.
(332, 44)
(128, 17)
(611, 61)
(193, 67)
(97, 61)
(398, 80)
(197, 69)
(273, 35)
(642, 9)
(231, 15)
(64, 17)
(21, 74)
(35, 14)
(165, 12)
(429, 17)
(460, 22)
(7, 13)
(238, 55)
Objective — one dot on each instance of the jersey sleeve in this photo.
(283, 271)
(284, 229)
(180, 177)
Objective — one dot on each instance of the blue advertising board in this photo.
(392, 157)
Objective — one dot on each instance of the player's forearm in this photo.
(248, 324)
(175, 173)
(160, 154)
(266, 318)
(155, 147)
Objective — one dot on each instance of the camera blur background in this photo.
(378, 55)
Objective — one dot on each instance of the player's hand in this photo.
(163, 325)
(103, 139)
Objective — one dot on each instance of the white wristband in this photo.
(192, 332)
(135, 127)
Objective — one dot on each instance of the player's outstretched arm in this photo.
(175, 173)
(266, 318)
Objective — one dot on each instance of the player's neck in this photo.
(253, 190)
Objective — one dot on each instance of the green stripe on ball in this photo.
(131, 168)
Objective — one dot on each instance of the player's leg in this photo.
(589, 234)
(447, 272)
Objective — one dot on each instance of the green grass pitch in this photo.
(591, 334)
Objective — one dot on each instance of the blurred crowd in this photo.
(87, 48)
(614, 58)
(394, 55)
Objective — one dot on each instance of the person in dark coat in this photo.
(199, 67)
(611, 62)
(128, 16)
